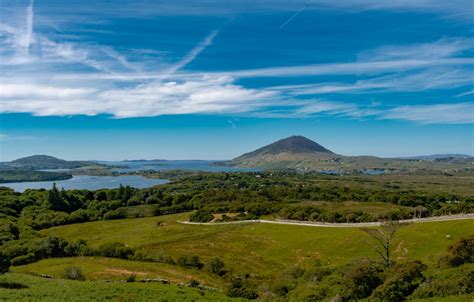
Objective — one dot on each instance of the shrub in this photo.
(4, 263)
(190, 261)
(460, 252)
(193, 283)
(201, 216)
(361, 280)
(115, 250)
(23, 259)
(216, 266)
(241, 289)
(402, 280)
(131, 278)
(73, 273)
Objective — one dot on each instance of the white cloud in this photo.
(18, 91)
(113, 84)
(443, 48)
(120, 58)
(356, 68)
(29, 27)
(191, 55)
(201, 95)
(462, 113)
(436, 78)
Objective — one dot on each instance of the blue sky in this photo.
(214, 79)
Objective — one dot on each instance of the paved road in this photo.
(336, 225)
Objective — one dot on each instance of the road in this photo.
(336, 225)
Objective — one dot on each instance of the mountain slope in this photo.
(292, 144)
(285, 153)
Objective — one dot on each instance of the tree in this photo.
(384, 236)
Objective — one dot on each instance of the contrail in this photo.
(29, 27)
(293, 16)
(190, 56)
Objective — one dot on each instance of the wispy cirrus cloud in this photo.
(462, 113)
(189, 57)
(108, 82)
(458, 9)
(443, 48)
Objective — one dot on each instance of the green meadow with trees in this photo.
(132, 239)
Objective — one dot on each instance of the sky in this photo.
(145, 79)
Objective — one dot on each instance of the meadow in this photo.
(34, 288)
(117, 235)
(265, 248)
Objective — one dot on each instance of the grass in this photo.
(40, 289)
(263, 249)
(100, 268)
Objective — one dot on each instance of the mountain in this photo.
(285, 153)
(302, 154)
(46, 162)
(293, 144)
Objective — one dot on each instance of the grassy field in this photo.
(112, 269)
(40, 289)
(267, 249)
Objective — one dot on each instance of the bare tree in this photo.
(384, 237)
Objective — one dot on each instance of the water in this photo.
(163, 165)
(89, 182)
(109, 182)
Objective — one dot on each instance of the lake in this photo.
(163, 165)
(109, 182)
(89, 182)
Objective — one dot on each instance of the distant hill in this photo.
(46, 162)
(302, 154)
(440, 156)
(293, 144)
(285, 152)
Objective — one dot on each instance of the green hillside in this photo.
(40, 289)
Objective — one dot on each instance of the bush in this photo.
(131, 278)
(114, 250)
(190, 261)
(216, 266)
(461, 252)
(457, 281)
(193, 283)
(23, 259)
(73, 273)
(241, 289)
(201, 216)
(361, 280)
(4, 263)
(402, 280)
